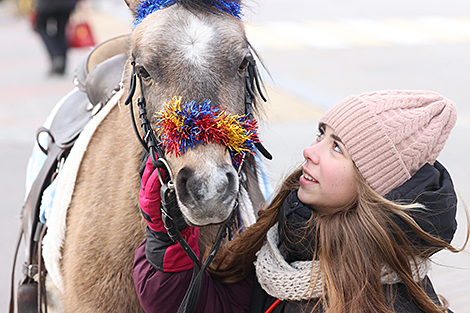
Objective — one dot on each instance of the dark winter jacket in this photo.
(431, 186)
(261, 301)
(163, 292)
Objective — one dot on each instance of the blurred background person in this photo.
(51, 21)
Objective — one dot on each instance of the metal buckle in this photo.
(30, 270)
(168, 169)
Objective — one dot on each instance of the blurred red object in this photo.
(79, 35)
(33, 16)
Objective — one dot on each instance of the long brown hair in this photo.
(354, 244)
(235, 261)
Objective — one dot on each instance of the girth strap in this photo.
(12, 287)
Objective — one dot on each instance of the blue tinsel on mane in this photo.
(148, 7)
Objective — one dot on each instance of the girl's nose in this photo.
(312, 153)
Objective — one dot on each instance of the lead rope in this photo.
(273, 306)
(168, 197)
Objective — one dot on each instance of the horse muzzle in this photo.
(207, 197)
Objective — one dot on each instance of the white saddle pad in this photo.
(65, 184)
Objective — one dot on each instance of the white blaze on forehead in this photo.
(196, 40)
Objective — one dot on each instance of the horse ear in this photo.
(132, 4)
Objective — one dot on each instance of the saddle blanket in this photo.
(56, 198)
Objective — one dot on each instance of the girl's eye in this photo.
(337, 148)
(318, 138)
(320, 134)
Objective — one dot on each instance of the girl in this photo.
(352, 230)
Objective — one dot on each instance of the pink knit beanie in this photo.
(390, 135)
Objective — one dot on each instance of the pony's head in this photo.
(194, 52)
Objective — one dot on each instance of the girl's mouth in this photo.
(308, 177)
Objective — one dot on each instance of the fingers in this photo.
(152, 188)
(151, 184)
(149, 169)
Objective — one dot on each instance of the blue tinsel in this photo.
(148, 7)
(190, 113)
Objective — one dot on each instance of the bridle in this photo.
(170, 215)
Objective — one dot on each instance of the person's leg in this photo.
(41, 25)
(61, 38)
(52, 27)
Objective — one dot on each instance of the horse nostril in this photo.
(229, 189)
(191, 186)
(182, 183)
(231, 186)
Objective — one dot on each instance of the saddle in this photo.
(97, 79)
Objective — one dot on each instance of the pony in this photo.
(194, 49)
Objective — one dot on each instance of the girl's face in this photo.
(328, 182)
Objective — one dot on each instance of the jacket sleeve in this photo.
(166, 256)
(160, 291)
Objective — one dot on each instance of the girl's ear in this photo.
(132, 4)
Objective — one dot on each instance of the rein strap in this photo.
(153, 146)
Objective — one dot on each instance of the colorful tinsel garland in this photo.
(183, 126)
(148, 7)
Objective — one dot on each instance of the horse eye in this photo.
(143, 72)
(243, 65)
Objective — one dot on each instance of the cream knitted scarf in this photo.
(293, 281)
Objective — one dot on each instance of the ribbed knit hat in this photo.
(391, 134)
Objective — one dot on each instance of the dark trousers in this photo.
(51, 27)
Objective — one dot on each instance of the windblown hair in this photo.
(352, 246)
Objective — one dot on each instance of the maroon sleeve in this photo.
(164, 291)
